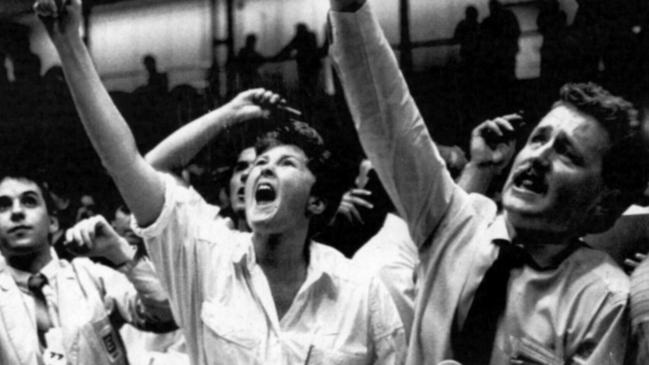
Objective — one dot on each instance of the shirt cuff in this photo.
(352, 7)
(341, 21)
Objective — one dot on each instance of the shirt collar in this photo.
(244, 254)
(500, 234)
(318, 271)
(50, 271)
(498, 230)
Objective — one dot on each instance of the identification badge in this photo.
(54, 354)
(108, 338)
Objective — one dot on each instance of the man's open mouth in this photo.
(531, 179)
(265, 193)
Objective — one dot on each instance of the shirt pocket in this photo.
(227, 332)
(323, 352)
(526, 351)
(320, 356)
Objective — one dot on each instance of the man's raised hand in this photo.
(493, 142)
(253, 104)
(95, 237)
(62, 18)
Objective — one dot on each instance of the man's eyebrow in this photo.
(572, 144)
(29, 193)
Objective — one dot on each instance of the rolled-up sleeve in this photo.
(389, 124)
(135, 294)
(170, 247)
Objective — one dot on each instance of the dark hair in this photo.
(36, 175)
(626, 162)
(324, 167)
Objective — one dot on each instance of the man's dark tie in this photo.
(35, 284)
(473, 344)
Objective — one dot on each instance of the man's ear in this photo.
(54, 224)
(610, 205)
(315, 206)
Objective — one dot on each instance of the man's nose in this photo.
(267, 170)
(244, 174)
(17, 211)
(541, 155)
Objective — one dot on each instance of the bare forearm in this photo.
(476, 178)
(111, 137)
(180, 147)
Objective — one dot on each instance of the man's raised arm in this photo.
(389, 125)
(180, 147)
(138, 183)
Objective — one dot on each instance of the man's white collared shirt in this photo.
(222, 300)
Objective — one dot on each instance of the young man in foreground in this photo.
(271, 296)
(516, 287)
(57, 312)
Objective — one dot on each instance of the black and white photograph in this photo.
(332, 182)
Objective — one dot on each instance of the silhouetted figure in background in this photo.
(601, 41)
(641, 61)
(467, 33)
(4, 76)
(249, 61)
(24, 94)
(304, 47)
(4, 85)
(552, 24)
(499, 33)
(157, 81)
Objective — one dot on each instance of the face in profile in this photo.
(556, 179)
(122, 225)
(25, 223)
(238, 180)
(278, 190)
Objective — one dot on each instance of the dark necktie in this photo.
(35, 284)
(472, 345)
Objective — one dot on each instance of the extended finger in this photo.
(503, 123)
(360, 191)
(356, 214)
(631, 263)
(87, 227)
(360, 201)
(275, 99)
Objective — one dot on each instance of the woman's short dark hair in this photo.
(328, 185)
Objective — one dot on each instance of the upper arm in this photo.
(142, 189)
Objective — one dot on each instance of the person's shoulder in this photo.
(217, 229)
(596, 270)
(339, 268)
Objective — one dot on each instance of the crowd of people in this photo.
(256, 233)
